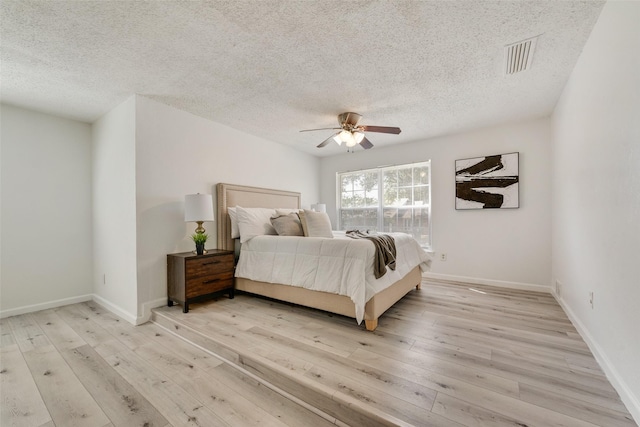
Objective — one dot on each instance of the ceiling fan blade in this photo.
(310, 130)
(381, 129)
(365, 143)
(325, 142)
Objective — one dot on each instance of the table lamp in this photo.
(198, 208)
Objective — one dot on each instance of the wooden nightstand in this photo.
(192, 277)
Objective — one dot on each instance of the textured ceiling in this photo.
(274, 67)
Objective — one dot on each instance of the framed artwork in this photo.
(489, 182)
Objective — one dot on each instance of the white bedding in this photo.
(341, 265)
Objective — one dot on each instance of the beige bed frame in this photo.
(229, 195)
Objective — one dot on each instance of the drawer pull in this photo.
(211, 281)
(211, 262)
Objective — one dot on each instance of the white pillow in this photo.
(315, 224)
(254, 222)
(235, 231)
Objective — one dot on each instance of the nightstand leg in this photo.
(185, 307)
(231, 293)
(169, 303)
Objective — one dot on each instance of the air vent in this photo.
(518, 56)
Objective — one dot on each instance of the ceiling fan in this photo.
(351, 134)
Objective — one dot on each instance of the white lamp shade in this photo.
(319, 207)
(198, 207)
(348, 138)
(358, 137)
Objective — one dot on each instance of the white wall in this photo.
(114, 210)
(178, 153)
(46, 211)
(596, 199)
(488, 246)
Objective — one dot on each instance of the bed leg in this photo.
(419, 286)
(371, 325)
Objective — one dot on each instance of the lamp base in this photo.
(200, 229)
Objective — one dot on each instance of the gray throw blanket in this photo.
(385, 254)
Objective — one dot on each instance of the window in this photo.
(388, 199)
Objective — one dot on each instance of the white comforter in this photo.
(341, 265)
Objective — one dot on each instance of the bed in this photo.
(230, 195)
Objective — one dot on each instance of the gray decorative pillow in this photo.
(315, 224)
(287, 225)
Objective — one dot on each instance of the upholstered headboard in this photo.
(229, 195)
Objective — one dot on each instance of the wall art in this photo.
(489, 182)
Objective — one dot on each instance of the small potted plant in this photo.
(199, 239)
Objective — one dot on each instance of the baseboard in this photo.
(135, 320)
(44, 306)
(489, 282)
(146, 309)
(631, 402)
(115, 309)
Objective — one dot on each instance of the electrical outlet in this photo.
(443, 257)
(558, 288)
(591, 299)
(104, 279)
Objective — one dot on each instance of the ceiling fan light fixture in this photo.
(347, 137)
(337, 138)
(351, 140)
(358, 136)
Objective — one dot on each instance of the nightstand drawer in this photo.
(208, 284)
(209, 266)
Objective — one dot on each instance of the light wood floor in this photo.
(82, 366)
(446, 355)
